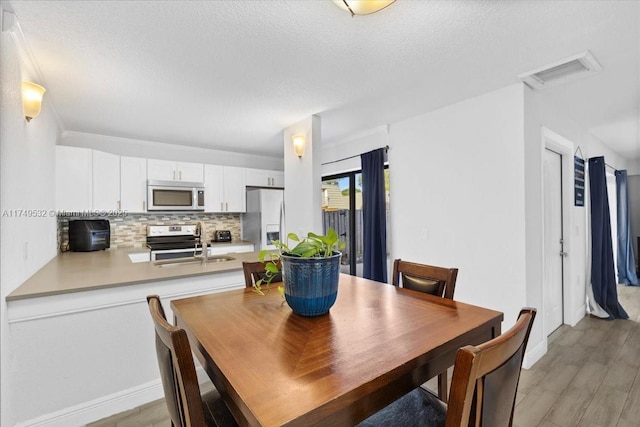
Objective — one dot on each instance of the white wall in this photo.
(457, 196)
(466, 191)
(457, 199)
(302, 180)
(539, 112)
(163, 151)
(27, 242)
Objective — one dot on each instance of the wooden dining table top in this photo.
(378, 342)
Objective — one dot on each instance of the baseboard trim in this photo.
(97, 409)
(94, 410)
(578, 315)
(534, 354)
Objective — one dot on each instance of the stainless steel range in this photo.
(174, 241)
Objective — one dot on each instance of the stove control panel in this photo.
(171, 230)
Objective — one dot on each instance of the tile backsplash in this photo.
(131, 231)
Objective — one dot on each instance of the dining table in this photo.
(377, 343)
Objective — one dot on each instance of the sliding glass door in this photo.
(342, 210)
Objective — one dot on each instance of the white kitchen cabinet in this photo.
(264, 178)
(133, 184)
(105, 174)
(168, 170)
(224, 189)
(223, 249)
(73, 178)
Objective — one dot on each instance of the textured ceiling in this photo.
(232, 75)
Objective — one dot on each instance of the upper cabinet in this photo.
(224, 189)
(167, 170)
(133, 184)
(73, 178)
(264, 178)
(105, 181)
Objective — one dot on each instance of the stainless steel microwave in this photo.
(175, 196)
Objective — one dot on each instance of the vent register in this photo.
(569, 69)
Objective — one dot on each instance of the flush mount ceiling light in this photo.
(31, 99)
(565, 70)
(362, 7)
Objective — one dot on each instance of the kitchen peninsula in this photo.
(82, 330)
(86, 271)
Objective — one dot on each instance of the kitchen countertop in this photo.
(83, 271)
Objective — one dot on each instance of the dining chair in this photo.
(438, 281)
(254, 271)
(187, 408)
(483, 387)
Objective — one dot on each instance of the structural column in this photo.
(303, 179)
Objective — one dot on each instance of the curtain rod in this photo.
(606, 164)
(386, 148)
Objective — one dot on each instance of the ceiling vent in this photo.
(569, 69)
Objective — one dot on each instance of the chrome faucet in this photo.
(204, 258)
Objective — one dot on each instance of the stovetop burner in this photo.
(168, 237)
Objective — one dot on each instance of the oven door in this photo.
(159, 255)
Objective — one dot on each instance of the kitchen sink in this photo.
(191, 261)
(176, 262)
(220, 258)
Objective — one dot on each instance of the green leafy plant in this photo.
(312, 246)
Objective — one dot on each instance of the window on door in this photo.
(342, 210)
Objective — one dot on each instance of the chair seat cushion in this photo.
(216, 413)
(415, 409)
(428, 286)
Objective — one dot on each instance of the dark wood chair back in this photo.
(178, 373)
(485, 378)
(254, 271)
(433, 280)
(438, 281)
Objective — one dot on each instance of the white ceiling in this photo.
(232, 75)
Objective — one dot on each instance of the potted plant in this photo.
(310, 271)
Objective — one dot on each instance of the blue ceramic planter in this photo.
(311, 284)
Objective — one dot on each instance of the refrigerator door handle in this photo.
(281, 230)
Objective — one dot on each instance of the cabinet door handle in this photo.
(180, 174)
(221, 207)
(174, 175)
(144, 206)
(119, 205)
(226, 204)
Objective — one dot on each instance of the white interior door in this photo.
(553, 250)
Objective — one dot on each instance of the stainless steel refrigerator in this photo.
(264, 219)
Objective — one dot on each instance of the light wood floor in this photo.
(590, 377)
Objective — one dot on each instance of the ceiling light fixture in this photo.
(362, 7)
(31, 100)
(298, 145)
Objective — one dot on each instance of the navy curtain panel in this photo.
(626, 262)
(374, 216)
(603, 279)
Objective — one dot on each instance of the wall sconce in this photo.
(31, 99)
(362, 7)
(298, 145)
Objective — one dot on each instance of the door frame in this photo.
(547, 257)
(555, 142)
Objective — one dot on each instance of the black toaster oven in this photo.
(87, 235)
(222, 236)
